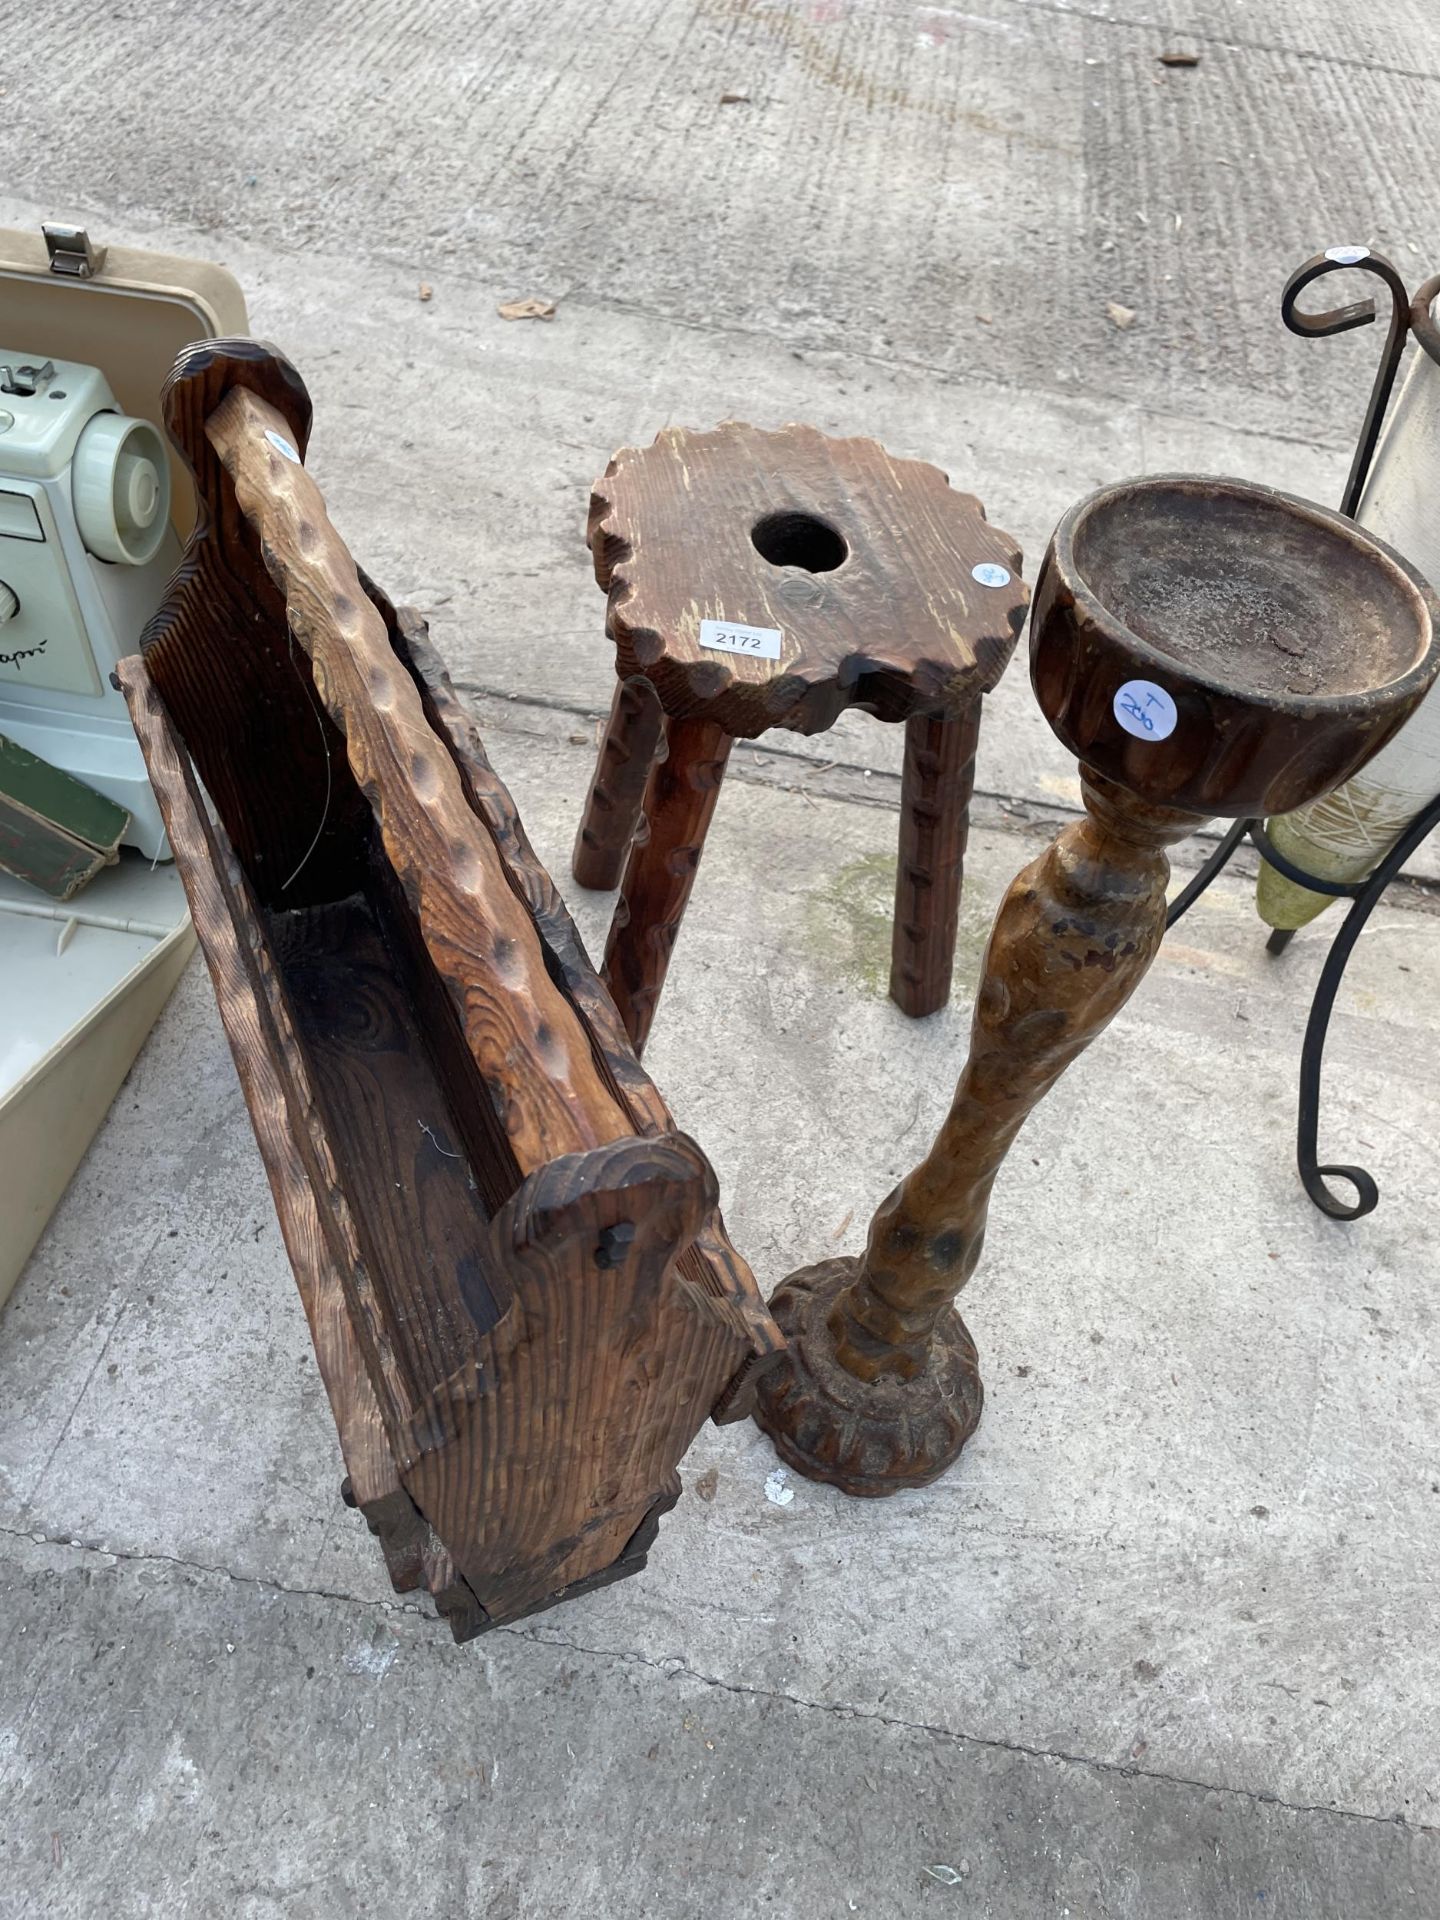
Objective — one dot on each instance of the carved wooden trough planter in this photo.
(520, 1292)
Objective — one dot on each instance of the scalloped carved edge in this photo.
(705, 683)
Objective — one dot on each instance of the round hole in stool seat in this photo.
(791, 539)
(861, 567)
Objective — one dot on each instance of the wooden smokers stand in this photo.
(1203, 647)
(521, 1295)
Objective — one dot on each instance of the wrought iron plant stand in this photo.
(1407, 316)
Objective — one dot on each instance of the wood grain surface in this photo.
(589, 1243)
(527, 1045)
(520, 1290)
(1187, 582)
(617, 788)
(881, 1388)
(1287, 642)
(899, 626)
(238, 689)
(312, 1207)
(679, 804)
(720, 1275)
(937, 781)
(875, 584)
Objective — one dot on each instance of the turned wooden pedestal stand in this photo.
(1203, 647)
(762, 580)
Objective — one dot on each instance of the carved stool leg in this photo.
(879, 1388)
(938, 781)
(679, 802)
(612, 806)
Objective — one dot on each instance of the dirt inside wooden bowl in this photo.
(1251, 590)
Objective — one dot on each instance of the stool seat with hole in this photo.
(773, 579)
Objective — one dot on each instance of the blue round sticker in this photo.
(1145, 710)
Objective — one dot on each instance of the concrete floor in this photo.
(1166, 1643)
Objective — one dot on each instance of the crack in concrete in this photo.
(29, 1501)
(745, 768)
(1016, 811)
(1012, 813)
(675, 1667)
(69, 1543)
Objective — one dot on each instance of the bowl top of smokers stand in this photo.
(1224, 648)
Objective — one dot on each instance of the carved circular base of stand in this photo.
(867, 1437)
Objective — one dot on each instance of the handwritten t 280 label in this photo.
(1145, 710)
(728, 636)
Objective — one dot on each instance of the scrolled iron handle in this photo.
(1359, 313)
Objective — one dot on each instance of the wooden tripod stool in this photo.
(762, 580)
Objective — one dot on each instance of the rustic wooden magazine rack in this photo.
(520, 1291)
